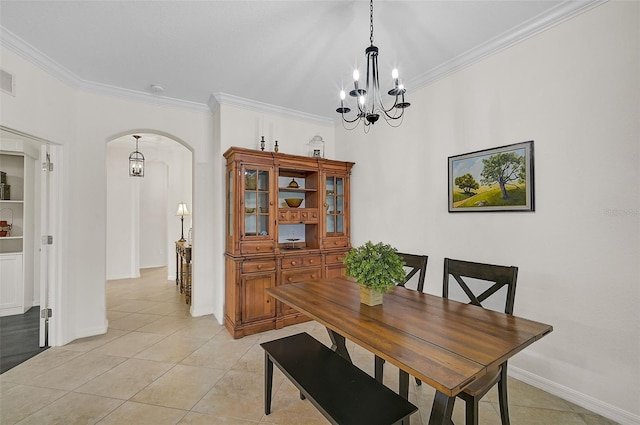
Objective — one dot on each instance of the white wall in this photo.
(574, 90)
(122, 215)
(153, 216)
(243, 127)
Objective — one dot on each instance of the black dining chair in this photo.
(417, 264)
(482, 283)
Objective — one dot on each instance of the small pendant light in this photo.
(136, 161)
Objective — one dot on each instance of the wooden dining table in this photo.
(444, 343)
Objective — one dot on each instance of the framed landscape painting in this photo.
(497, 179)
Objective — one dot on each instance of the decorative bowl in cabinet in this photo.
(293, 202)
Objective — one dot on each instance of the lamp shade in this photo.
(182, 209)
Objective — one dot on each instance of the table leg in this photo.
(339, 345)
(187, 286)
(403, 385)
(378, 371)
(181, 276)
(177, 270)
(442, 409)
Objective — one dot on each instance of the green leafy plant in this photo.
(376, 266)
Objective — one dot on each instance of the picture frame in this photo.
(495, 179)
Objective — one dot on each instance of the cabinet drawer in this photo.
(309, 215)
(292, 216)
(258, 266)
(335, 258)
(256, 247)
(300, 215)
(300, 275)
(303, 261)
(336, 243)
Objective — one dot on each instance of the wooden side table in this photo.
(183, 269)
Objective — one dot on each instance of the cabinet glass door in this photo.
(335, 205)
(256, 202)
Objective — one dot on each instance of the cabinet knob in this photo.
(259, 266)
(290, 280)
(257, 248)
(310, 261)
(313, 276)
(293, 263)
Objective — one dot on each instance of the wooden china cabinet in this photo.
(270, 241)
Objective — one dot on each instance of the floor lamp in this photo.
(182, 211)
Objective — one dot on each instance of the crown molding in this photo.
(143, 97)
(51, 67)
(36, 57)
(218, 99)
(562, 12)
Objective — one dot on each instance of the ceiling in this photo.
(291, 54)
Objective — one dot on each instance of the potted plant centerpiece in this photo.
(377, 268)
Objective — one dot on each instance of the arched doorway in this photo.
(142, 225)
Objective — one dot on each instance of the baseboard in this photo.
(590, 403)
(87, 332)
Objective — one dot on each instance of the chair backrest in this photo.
(500, 276)
(418, 264)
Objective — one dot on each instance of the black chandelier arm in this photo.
(345, 122)
(344, 119)
(396, 122)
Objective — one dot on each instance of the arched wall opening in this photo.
(142, 225)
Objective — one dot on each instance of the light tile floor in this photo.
(157, 365)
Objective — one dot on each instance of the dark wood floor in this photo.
(19, 336)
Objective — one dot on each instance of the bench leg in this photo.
(339, 345)
(268, 383)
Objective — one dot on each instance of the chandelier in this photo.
(369, 99)
(136, 162)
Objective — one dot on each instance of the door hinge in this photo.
(46, 313)
(47, 240)
(48, 165)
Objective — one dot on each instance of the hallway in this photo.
(157, 365)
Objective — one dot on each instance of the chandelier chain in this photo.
(371, 21)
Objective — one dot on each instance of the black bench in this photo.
(343, 393)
